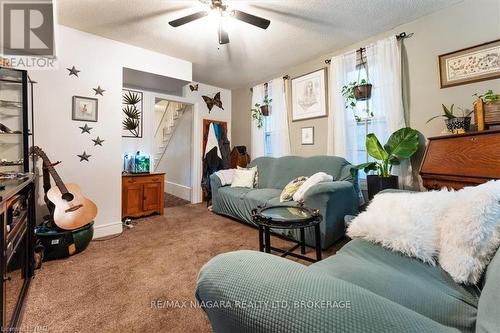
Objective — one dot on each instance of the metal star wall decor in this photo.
(84, 157)
(73, 71)
(98, 141)
(85, 129)
(99, 90)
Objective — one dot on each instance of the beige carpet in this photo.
(110, 286)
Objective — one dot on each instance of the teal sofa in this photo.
(363, 288)
(334, 199)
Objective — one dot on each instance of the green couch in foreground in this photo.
(334, 199)
(363, 288)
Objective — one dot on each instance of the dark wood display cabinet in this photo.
(17, 188)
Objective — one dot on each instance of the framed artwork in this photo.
(307, 135)
(84, 109)
(309, 95)
(472, 64)
(131, 113)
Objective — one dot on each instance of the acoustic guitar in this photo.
(72, 210)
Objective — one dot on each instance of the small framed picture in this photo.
(307, 135)
(84, 109)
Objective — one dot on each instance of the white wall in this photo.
(101, 61)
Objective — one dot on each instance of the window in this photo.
(267, 137)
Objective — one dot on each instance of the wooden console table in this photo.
(142, 194)
(455, 161)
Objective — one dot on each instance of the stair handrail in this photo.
(170, 138)
(162, 117)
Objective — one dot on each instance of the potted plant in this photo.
(453, 123)
(257, 115)
(264, 108)
(401, 145)
(357, 91)
(489, 114)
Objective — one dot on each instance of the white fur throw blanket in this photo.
(461, 229)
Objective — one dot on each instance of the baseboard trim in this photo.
(181, 191)
(108, 229)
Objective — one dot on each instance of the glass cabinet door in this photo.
(15, 121)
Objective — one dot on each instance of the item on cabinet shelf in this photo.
(454, 124)
(84, 109)
(401, 145)
(194, 87)
(4, 162)
(73, 71)
(99, 91)
(85, 129)
(213, 101)
(13, 175)
(4, 129)
(239, 157)
(460, 160)
(131, 114)
(84, 157)
(72, 209)
(142, 194)
(98, 141)
(487, 110)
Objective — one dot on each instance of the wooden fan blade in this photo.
(251, 19)
(223, 36)
(187, 19)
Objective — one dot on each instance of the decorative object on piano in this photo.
(98, 141)
(84, 109)
(454, 124)
(460, 160)
(99, 91)
(211, 101)
(84, 157)
(132, 114)
(487, 110)
(73, 71)
(85, 129)
(477, 63)
(194, 86)
(71, 209)
(401, 145)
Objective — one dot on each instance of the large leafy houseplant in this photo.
(401, 145)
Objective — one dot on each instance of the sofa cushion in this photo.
(277, 172)
(411, 283)
(488, 312)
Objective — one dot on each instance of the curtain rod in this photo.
(400, 36)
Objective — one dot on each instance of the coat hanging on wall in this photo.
(213, 101)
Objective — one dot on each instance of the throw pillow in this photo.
(404, 222)
(470, 232)
(310, 182)
(243, 178)
(291, 188)
(256, 181)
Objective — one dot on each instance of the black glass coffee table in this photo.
(288, 217)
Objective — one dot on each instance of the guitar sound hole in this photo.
(68, 196)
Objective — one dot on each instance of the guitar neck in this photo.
(55, 175)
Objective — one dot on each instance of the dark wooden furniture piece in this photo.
(17, 213)
(459, 160)
(142, 194)
(239, 157)
(288, 217)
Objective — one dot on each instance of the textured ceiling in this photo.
(299, 31)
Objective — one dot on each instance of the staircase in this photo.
(165, 129)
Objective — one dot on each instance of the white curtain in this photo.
(387, 98)
(384, 72)
(257, 134)
(278, 118)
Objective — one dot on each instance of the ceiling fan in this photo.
(222, 10)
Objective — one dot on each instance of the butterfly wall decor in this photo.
(194, 87)
(213, 101)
